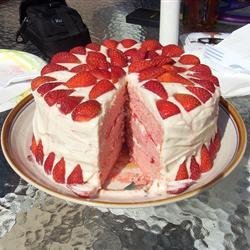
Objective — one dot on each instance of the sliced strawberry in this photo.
(76, 176)
(101, 74)
(86, 111)
(157, 88)
(67, 104)
(110, 43)
(212, 150)
(116, 73)
(150, 73)
(127, 43)
(64, 57)
(33, 145)
(49, 162)
(202, 69)
(206, 162)
(150, 45)
(194, 169)
(45, 88)
(205, 84)
(161, 60)
(97, 59)
(93, 46)
(135, 55)
(78, 50)
(137, 66)
(81, 79)
(182, 173)
(117, 58)
(207, 78)
(180, 188)
(217, 141)
(189, 59)
(173, 69)
(101, 88)
(188, 102)
(80, 68)
(167, 109)
(58, 172)
(172, 50)
(55, 96)
(151, 54)
(170, 77)
(52, 67)
(38, 81)
(201, 93)
(39, 155)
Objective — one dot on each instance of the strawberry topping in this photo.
(54, 96)
(52, 67)
(81, 79)
(206, 162)
(97, 60)
(127, 43)
(117, 58)
(59, 171)
(150, 45)
(101, 88)
(157, 88)
(45, 88)
(171, 77)
(38, 81)
(49, 162)
(78, 50)
(76, 176)
(172, 50)
(110, 43)
(64, 57)
(166, 108)
(79, 68)
(188, 102)
(67, 104)
(194, 169)
(39, 155)
(101, 74)
(189, 59)
(93, 46)
(150, 73)
(201, 93)
(182, 173)
(116, 73)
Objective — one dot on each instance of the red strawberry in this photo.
(59, 171)
(101, 88)
(182, 173)
(33, 145)
(202, 69)
(173, 69)
(201, 93)
(150, 73)
(151, 54)
(48, 165)
(51, 67)
(78, 50)
(206, 162)
(170, 77)
(86, 111)
(212, 150)
(150, 45)
(189, 59)
(188, 102)
(101, 74)
(64, 57)
(161, 60)
(76, 176)
(172, 50)
(67, 104)
(79, 68)
(46, 87)
(116, 73)
(137, 66)
(117, 58)
(166, 108)
(135, 55)
(55, 96)
(205, 84)
(93, 46)
(110, 43)
(157, 88)
(194, 169)
(208, 78)
(39, 153)
(38, 81)
(127, 43)
(81, 79)
(181, 189)
(97, 60)
(217, 141)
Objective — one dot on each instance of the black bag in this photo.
(51, 26)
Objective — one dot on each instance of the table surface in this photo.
(217, 218)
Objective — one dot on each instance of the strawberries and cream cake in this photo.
(163, 104)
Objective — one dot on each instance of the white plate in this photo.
(16, 139)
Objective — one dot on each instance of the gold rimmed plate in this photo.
(16, 137)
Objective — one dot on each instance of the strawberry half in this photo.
(188, 102)
(135, 55)
(76, 176)
(52, 67)
(173, 69)
(150, 45)
(55, 96)
(101, 88)
(157, 88)
(58, 172)
(189, 59)
(150, 73)
(49, 162)
(97, 60)
(45, 88)
(170, 77)
(64, 57)
(33, 145)
(116, 73)
(67, 104)
(127, 43)
(194, 169)
(101, 73)
(167, 109)
(86, 111)
(80, 68)
(117, 58)
(182, 173)
(138, 66)
(38, 81)
(161, 60)
(206, 162)
(39, 155)
(93, 46)
(151, 54)
(201, 93)
(202, 69)
(212, 150)
(110, 43)
(78, 50)
(81, 79)
(172, 50)
(205, 84)
(217, 141)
